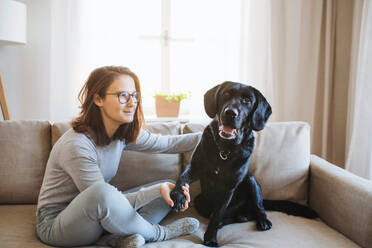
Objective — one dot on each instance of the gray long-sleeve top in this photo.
(76, 162)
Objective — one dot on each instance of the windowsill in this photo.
(183, 119)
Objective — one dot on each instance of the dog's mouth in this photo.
(227, 132)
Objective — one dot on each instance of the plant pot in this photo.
(164, 108)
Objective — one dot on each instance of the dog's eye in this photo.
(246, 99)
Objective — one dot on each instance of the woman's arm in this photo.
(79, 160)
(157, 143)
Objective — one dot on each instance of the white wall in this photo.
(26, 69)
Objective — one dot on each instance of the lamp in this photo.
(13, 17)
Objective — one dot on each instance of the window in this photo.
(173, 46)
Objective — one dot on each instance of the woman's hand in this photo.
(165, 190)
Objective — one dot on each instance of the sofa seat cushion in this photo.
(17, 228)
(287, 231)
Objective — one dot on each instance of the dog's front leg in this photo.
(210, 236)
(177, 196)
(262, 223)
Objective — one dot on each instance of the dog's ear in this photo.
(210, 101)
(262, 111)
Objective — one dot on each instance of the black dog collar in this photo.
(223, 154)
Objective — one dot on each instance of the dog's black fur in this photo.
(229, 193)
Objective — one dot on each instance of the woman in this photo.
(76, 204)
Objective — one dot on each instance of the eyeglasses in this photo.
(124, 96)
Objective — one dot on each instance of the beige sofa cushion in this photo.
(287, 232)
(58, 129)
(25, 147)
(137, 168)
(280, 160)
(17, 226)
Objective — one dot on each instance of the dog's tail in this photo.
(290, 208)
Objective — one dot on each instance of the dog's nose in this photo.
(231, 112)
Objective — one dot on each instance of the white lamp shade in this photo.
(13, 16)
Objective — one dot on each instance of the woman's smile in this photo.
(129, 112)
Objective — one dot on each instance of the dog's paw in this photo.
(210, 237)
(210, 243)
(178, 199)
(263, 224)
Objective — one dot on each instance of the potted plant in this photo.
(168, 105)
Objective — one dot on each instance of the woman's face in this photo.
(113, 112)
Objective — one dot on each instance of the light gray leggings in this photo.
(100, 208)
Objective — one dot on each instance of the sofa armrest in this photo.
(342, 200)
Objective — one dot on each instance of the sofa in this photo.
(281, 163)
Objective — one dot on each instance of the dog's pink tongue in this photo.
(228, 130)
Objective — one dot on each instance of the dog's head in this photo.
(236, 106)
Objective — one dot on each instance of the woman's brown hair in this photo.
(90, 120)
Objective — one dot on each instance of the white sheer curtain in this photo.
(359, 153)
(256, 48)
(280, 56)
(299, 54)
(66, 75)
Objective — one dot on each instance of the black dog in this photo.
(229, 193)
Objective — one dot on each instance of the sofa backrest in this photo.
(280, 160)
(24, 151)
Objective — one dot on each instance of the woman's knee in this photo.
(103, 193)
